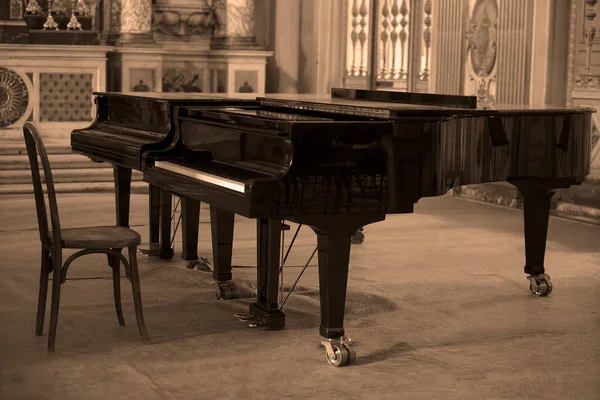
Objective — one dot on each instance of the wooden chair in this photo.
(103, 239)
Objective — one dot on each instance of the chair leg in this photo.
(43, 292)
(115, 264)
(56, 284)
(137, 294)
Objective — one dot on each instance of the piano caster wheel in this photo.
(340, 351)
(201, 265)
(359, 236)
(540, 285)
(227, 291)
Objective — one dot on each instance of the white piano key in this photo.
(201, 176)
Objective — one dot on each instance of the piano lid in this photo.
(367, 103)
(180, 97)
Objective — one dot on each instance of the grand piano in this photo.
(128, 126)
(342, 162)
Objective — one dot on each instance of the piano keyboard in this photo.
(200, 175)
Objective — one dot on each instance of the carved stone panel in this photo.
(65, 97)
(14, 97)
(482, 32)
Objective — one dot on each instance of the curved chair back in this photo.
(35, 147)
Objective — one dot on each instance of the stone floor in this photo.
(438, 307)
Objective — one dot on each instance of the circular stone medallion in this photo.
(14, 97)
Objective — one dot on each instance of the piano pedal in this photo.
(260, 317)
(339, 351)
(359, 236)
(227, 290)
(252, 320)
(203, 264)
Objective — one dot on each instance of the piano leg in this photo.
(266, 312)
(537, 199)
(334, 239)
(154, 216)
(165, 251)
(221, 225)
(190, 223)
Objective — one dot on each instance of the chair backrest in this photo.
(35, 147)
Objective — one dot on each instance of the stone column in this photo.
(136, 23)
(234, 25)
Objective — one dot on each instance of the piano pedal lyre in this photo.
(253, 320)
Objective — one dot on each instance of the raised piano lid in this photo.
(368, 103)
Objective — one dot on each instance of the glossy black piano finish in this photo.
(337, 164)
(129, 125)
(283, 173)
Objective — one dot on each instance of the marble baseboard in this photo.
(13, 33)
(577, 212)
(500, 193)
(80, 38)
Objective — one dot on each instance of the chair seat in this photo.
(99, 237)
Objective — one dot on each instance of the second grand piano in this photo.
(340, 163)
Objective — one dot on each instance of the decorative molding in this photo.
(14, 97)
(180, 18)
(481, 66)
(514, 51)
(234, 25)
(447, 41)
(115, 16)
(136, 16)
(572, 52)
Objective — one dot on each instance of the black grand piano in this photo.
(129, 125)
(339, 163)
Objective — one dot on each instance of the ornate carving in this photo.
(587, 81)
(481, 36)
(57, 8)
(178, 18)
(15, 9)
(136, 16)
(33, 8)
(14, 97)
(234, 17)
(115, 16)
(481, 41)
(590, 32)
(182, 79)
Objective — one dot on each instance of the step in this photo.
(17, 148)
(93, 187)
(11, 177)
(57, 161)
(577, 212)
(587, 194)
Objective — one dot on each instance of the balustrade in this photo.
(386, 47)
